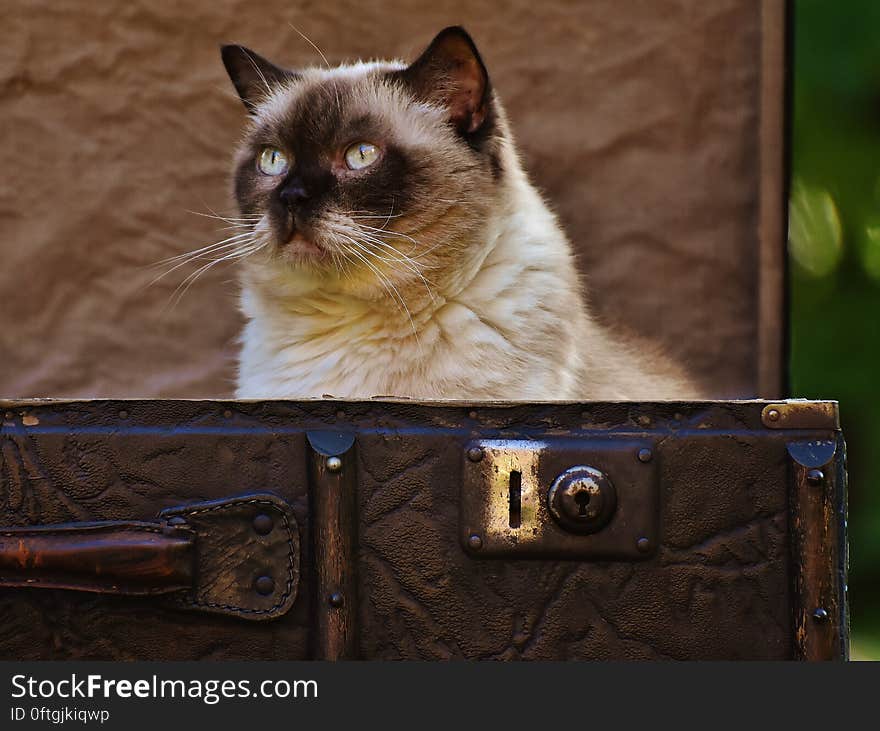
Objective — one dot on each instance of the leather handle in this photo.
(237, 556)
(135, 558)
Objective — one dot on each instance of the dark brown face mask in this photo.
(324, 119)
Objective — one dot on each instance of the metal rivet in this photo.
(227, 414)
(472, 414)
(177, 520)
(643, 544)
(815, 477)
(334, 464)
(263, 524)
(123, 414)
(773, 415)
(475, 542)
(264, 585)
(820, 615)
(475, 454)
(336, 599)
(645, 455)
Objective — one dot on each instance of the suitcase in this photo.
(389, 529)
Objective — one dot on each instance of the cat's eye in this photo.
(361, 155)
(272, 161)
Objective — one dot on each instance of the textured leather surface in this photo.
(638, 120)
(233, 556)
(84, 462)
(718, 586)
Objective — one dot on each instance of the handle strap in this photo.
(237, 556)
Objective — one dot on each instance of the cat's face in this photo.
(375, 174)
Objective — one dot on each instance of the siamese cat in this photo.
(392, 244)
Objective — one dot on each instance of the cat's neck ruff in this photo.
(306, 338)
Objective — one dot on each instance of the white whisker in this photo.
(383, 218)
(251, 218)
(311, 43)
(184, 286)
(195, 258)
(233, 240)
(403, 259)
(388, 233)
(386, 283)
(257, 69)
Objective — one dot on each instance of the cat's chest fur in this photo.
(505, 331)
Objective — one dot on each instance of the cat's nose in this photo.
(293, 193)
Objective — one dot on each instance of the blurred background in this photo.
(834, 242)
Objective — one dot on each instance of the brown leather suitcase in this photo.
(284, 530)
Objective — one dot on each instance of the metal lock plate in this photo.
(505, 499)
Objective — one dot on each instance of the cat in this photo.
(392, 244)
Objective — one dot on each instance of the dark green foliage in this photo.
(835, 284)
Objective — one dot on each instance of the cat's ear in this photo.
(451, 72)
(252, 75)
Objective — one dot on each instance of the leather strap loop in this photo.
(238, 556)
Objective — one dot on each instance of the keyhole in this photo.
(582, 498)
(515, 500)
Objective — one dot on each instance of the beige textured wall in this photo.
(638, 118)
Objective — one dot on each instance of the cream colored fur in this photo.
(502, 316)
